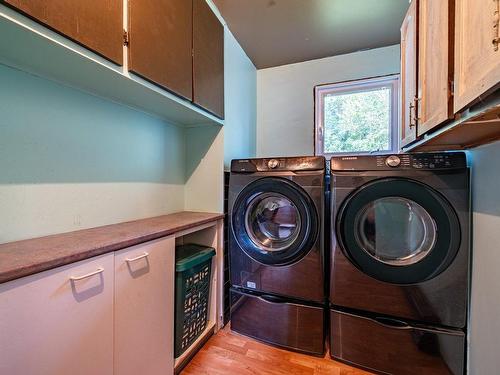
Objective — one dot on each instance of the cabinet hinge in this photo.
(126, 39)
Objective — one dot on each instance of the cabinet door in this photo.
(477, 54)
(208, 59)
(409, 75)
(435, 63)
(160, 47)
(97, 24)
(59, 322)
(144, 308)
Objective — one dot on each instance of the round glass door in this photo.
(395, 231)
(274, 221)
(398, 230)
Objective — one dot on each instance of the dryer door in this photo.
(398, 230)
(274, 221)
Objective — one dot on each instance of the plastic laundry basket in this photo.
(192, 293)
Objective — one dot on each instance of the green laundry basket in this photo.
(192, 293)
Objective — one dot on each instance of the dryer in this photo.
(399, 279)
(276, 248)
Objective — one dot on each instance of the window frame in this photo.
(365, 84)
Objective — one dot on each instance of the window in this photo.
(357, 117)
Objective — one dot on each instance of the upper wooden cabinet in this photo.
(458, 69)
(409, 55)
(435, 64)
(96, 24)
(160, 46)
(477, 54)
(208, 59)
(175, 44)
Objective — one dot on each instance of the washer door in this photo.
(399, 231)
(274, 221)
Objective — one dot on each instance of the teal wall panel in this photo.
(52, 133)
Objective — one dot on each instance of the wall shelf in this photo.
(478, 125)
(28, 46)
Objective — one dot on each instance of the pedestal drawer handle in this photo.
(128, 260)
(76, 278)
(392, 323)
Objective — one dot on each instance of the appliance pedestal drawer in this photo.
(394, 347)
(276, 321)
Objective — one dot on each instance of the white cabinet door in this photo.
(59, 322)
(144, 308)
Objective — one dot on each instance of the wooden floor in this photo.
(228, 353)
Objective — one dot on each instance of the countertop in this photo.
(23, 258)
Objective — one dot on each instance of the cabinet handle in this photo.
(417, 107)
(496, 26)
(128, 260)
(413, 108)
(410, 116)
(76, 278)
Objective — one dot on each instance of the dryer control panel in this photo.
(423, 161)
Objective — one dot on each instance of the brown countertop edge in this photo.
(27, 257)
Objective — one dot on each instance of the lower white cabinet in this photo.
(59, 322)
(144, 309)
(108, 315)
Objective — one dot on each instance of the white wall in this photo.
(285, 99)
(240, 102)
(485, 303)
(204, 189)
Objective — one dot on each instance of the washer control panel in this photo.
(422, 161)
(307, 163)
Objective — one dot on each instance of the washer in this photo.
(276, 247)
(399, 277)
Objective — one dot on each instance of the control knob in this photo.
(393, 161)
(273, 163)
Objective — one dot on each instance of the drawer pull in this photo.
(392, 323)
(271, 299)
(145, 255)
(96, 272)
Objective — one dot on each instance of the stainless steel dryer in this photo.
(400, 261)
(276, 248)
